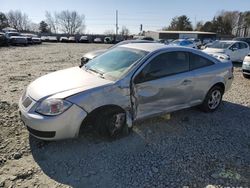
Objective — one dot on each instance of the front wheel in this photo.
(246, 76)
(111, 122)
(213, 99)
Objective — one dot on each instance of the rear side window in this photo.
(197, 62)
(243, 45)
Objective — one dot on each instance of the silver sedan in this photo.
(123, 85)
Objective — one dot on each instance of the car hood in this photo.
(93, 54)
(214, 50)
(70, 81)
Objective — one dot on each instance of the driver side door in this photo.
(163, 84)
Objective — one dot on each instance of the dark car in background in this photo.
(3, 40)
(14, 38)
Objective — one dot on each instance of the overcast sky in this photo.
(100, 14)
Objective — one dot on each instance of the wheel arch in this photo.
(90, 118)
(220, 84)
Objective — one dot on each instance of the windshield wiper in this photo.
(97, 72)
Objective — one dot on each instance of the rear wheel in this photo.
(213, 99)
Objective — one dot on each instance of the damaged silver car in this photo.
(125, 84)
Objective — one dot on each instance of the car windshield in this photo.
(14, 34)
(115, 63)
(177, 42)
(221, 44)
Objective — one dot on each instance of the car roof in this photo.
(231, 41)
(149, 47)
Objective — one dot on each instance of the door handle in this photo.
(186, 82)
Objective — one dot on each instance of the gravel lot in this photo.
(192, 149)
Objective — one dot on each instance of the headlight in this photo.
(52, 107)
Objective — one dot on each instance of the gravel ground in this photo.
(192, 149)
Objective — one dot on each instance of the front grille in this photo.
(42, 134)
(27, 102)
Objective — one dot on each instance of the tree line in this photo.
(224, 23)
(66, 21)
(71, 22)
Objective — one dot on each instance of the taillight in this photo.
(232, 69)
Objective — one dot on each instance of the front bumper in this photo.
(246, 68)
(63, 126)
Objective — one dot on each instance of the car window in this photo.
(165, 64)
(236, 45)
(197, 62)
(242, 45)
(221, 44)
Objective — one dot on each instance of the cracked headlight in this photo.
(52, 107)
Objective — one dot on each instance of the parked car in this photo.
(147, 38)
(84, 39)
(184, 43)
(126, 84)
(97, 40)
(14, 38)
(3, 40)
(52, 39)
(64, 39)
(164, 41)
(45, 38)
(108, 40)
(244, 39)
(29, 38)
(196, 41)
(36, 39)
(72, 39)
(207, 40)
(246, 66)
(236, 50)
(90, 55)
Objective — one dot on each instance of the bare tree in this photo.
(34, 27)
(52, 21)
(70, 22)
(109, 32)
(199, 26)
(124, 31)
(18, 20)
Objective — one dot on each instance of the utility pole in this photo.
(141, 28)
(116, 16)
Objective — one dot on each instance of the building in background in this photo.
(156, 35)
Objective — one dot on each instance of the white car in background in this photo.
(196, 41)
(246, 66)
(236, 50)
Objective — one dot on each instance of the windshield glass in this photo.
(221, 44)
(176, 42)
(115, 63)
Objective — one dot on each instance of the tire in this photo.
(213, 99)
(111, 122)
(246, 76)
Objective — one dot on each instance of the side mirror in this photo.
(83, 61)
